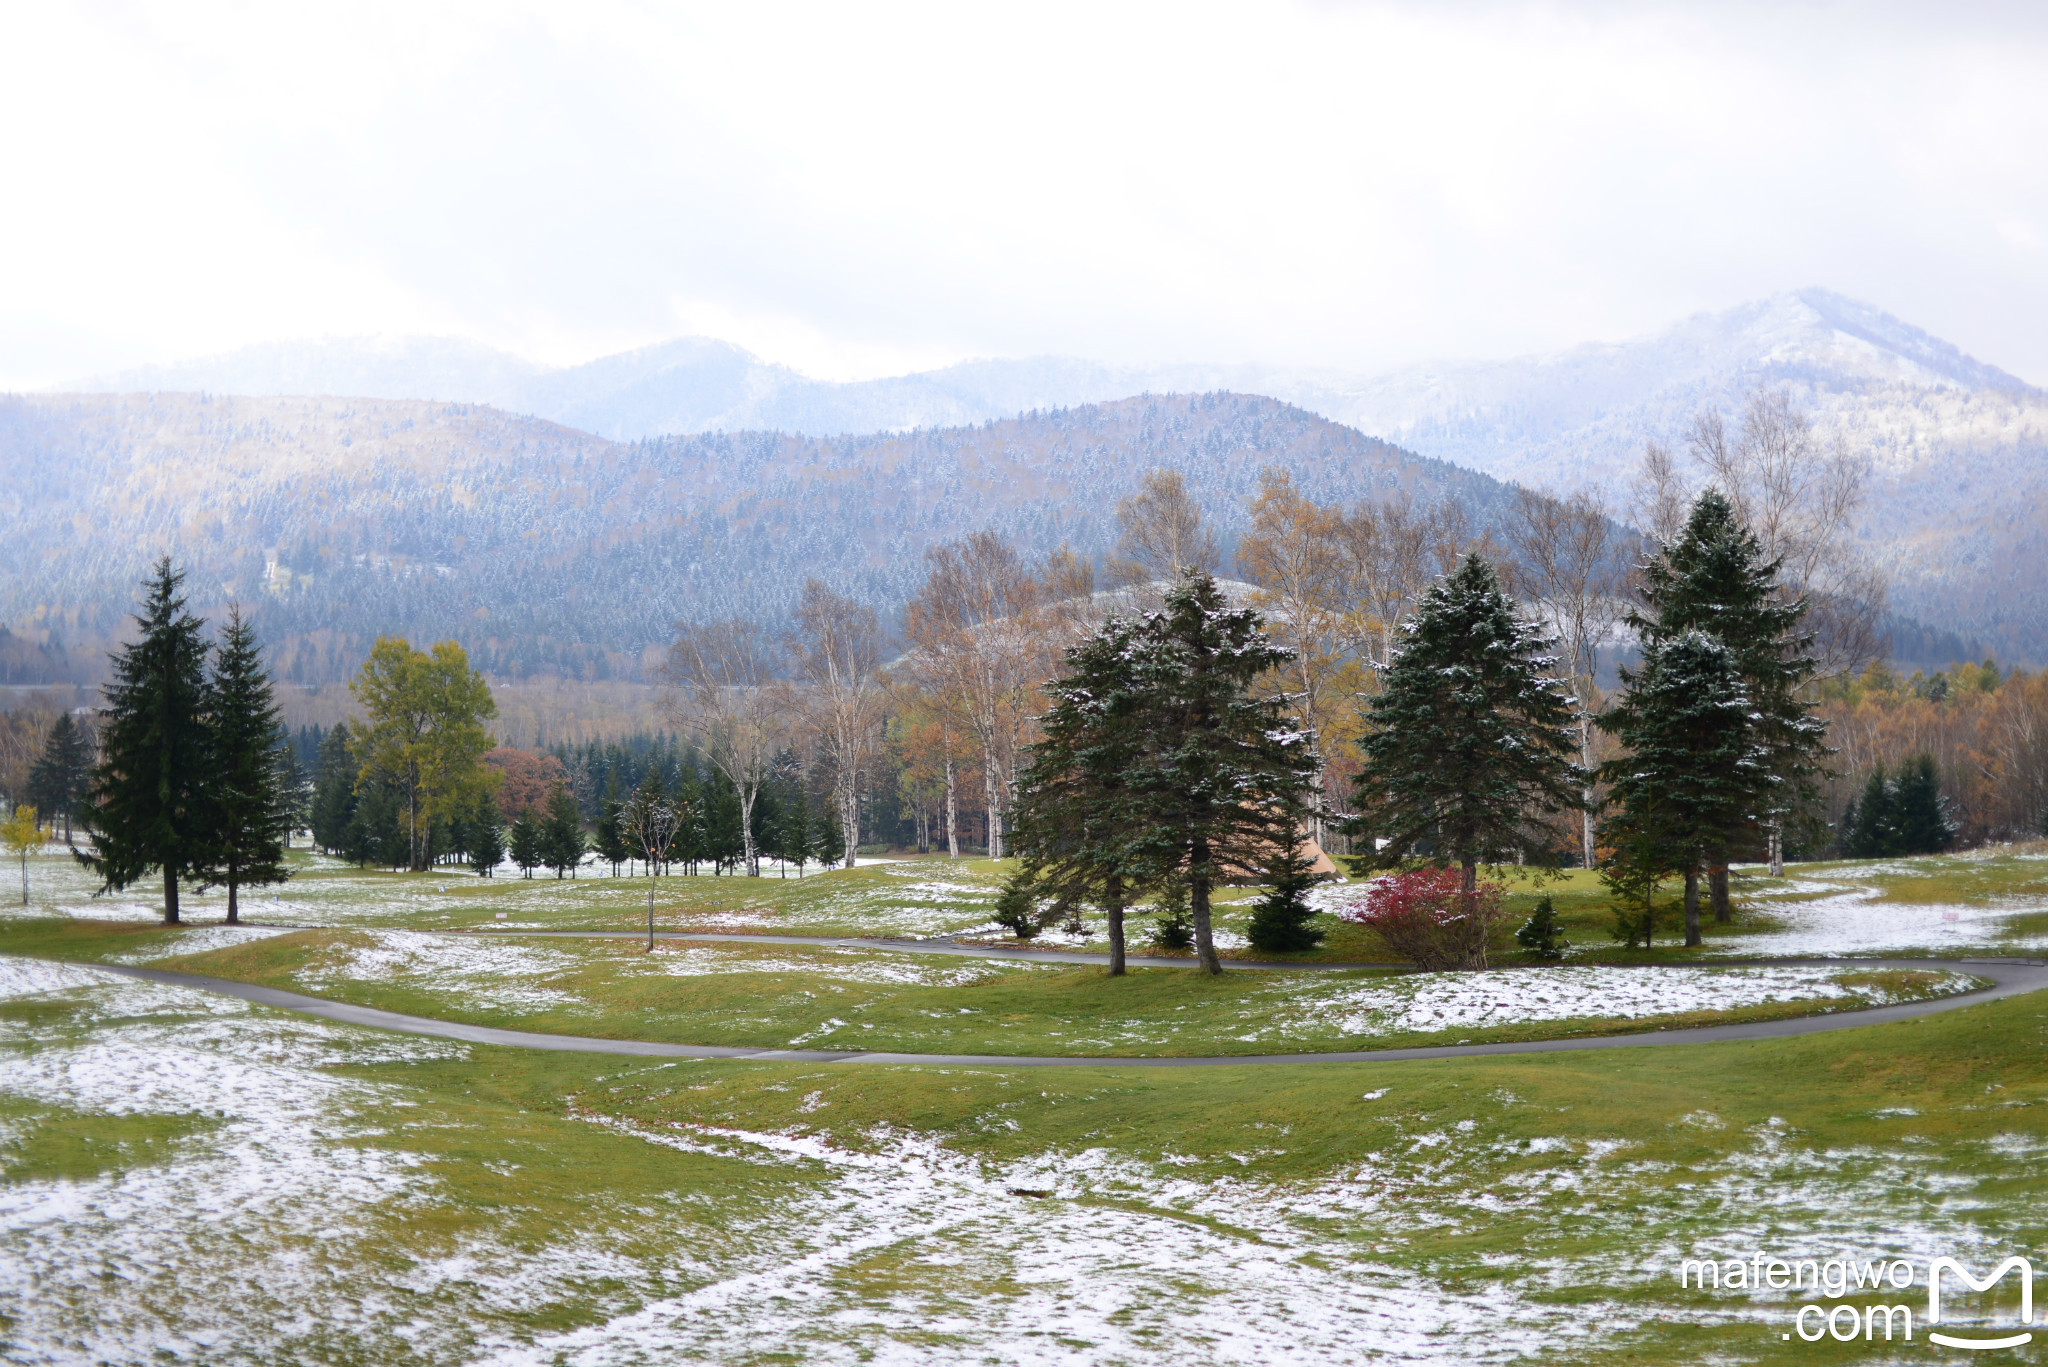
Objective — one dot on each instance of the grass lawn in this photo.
(188, 1177)
(1998, 901)
(788, 996)
(239, 1184)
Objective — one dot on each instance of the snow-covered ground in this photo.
(261, 1235)
(1851, 918)
(517, 974)
(1427, 1002)
(522, 976)
(193, 940)
(229, 1245)
(1082, 1283)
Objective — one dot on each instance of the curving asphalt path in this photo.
(2009, 978)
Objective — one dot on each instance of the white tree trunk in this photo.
(753, 863)
(849, 816)
(1586, 761)
(992, 793)
(952, 811)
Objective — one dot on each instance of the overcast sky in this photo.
(863, 189)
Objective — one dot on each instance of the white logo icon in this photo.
(1934, 1271)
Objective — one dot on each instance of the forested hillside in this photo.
(547, 550)
(1958, 448)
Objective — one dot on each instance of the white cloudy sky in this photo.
(858, 189)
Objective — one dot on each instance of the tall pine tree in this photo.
(1072, 819)
(334, 791)
(1689, 778)
(1222, 788)
(798, 837)
(148, 807)
(1713, 578)
(1470, 744)
(58, 778)
(1903, 815)
(251, 812)
(1871, 830)
(562, 841)
(486, 837)
(1919, 811)
(528, 844)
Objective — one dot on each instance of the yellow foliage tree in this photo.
(22, 836)
(425, 732)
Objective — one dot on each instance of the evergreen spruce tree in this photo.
(798, 833)
(334, 791)
(376, 829)
(1470, 743)
(1172, 927)
(691, 844)
(1688, 780)
(1283, 922)
(562, 842)
(486, 839)
(1873, 832)
(1224, 784)
(1016, 908)
(610, 836)
(251, 814)
(528, 844)
(831, 846)
(1071, 822)
(768, 826)
(724, 841)
(1542, 936)
(149, 804)
(57, 780)
(294, 789)
(1919, 814)
(1713, 578)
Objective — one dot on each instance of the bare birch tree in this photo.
(1799, 498)
(1292, 554)
(1160, 532)
(1387, 554)
(837, 647)
(977, 640)
(723, 694)
(1660, 495)
(1568, 568)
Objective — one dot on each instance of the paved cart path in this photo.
(2008, 977)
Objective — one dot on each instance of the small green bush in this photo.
(1541, 935)
(1174, 926)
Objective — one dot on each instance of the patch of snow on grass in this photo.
(1424, 1003)
(195, 940)
(847, 965)
(1861, 922)
(495, 973)
(153, 1262)
(1060, 1281)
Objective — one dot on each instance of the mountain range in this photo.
(1958, 448)
(552, 551)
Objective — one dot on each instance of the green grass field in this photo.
(798, 997)
(192, 1178)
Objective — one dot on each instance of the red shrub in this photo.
(1425, 917)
